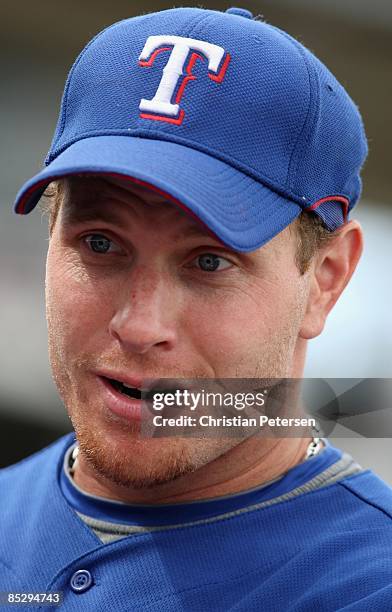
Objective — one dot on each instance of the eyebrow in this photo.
(86, 213)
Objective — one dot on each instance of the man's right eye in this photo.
(98, 243)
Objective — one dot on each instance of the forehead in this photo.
(89, 198)
(86, 195)
(92, 190)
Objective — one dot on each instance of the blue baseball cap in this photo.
(227, 116)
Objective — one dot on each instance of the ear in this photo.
(330, 272)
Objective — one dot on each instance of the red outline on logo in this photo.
(177, 121)
(189, 77)
(149, 63)
(217, 78)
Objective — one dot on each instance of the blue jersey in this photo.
(319, 538)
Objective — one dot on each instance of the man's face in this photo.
(161, 298)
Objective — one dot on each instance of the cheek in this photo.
(227, 321)
(77, 305)
(251, 320)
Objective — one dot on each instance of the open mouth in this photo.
(124, 389)
(134, 392)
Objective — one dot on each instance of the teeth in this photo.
(128, 386)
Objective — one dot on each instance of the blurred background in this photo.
(38, 43)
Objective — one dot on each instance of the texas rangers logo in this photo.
(164, 106)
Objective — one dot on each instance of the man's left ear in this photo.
(331, 270)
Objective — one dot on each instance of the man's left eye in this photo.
(209, 262)
(98, 243)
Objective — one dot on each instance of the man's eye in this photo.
(209, 262)
(98, 243)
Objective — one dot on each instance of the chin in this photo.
(144, 470)
(129, 460)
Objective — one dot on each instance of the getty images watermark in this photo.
(268, 407)
(185, 399)
(225, 407)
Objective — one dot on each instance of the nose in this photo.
(144, 317)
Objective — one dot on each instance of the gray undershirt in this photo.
(109, 532)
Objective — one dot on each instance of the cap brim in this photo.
(242, 212)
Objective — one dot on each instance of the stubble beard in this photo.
(173, 459)
(170, 459)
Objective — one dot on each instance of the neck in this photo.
(253, 463)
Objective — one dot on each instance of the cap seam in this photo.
(295, 157)
(200, 30)
(312, 121)
(293, 169)
(196, 24)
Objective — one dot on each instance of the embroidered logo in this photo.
(162, 107)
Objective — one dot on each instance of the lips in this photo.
(122, 404)
(125, 389)
(141, 388)
(133, 382)
(133, 392)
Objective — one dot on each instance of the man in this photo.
(199, 186)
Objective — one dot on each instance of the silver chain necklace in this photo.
(314, 448)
